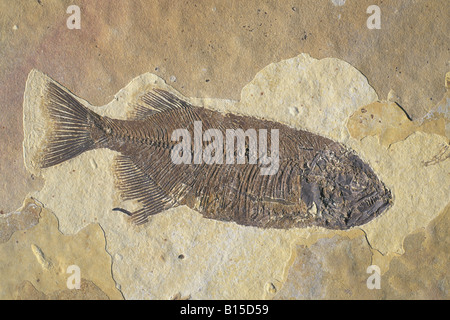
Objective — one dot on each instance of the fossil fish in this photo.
(317, 181)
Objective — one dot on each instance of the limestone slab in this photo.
(180, 252)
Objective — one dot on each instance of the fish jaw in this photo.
(370, 208)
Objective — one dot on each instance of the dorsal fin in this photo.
(140, 112)
(162, 100)
(157, 100)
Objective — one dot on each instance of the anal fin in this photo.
(134, 184)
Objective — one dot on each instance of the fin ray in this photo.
(157, 100)
(69, 133)
(134, 184)
(140, 112)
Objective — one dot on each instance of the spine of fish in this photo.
(73, 128)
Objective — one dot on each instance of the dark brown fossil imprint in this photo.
(319, 182)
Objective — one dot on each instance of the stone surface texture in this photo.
(312, 65)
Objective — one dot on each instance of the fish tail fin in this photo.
(72, 127)
(69, 128)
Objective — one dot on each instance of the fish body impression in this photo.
(228, 167)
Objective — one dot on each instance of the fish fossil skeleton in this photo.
(318, 182)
